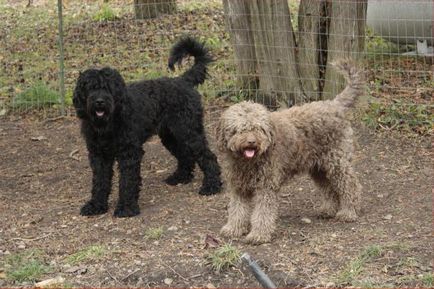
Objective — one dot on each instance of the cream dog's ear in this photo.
(220, 135)
(271, 132)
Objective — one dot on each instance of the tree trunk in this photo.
(238, 22)
(275, 53)
(309, 16)
(346, 39)
(289, 73)
(145, 9)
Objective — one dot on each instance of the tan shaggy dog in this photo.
(264, 149)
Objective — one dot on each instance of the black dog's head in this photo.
(98, 95)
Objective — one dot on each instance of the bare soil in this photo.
(45, 178)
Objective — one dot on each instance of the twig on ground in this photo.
(173, 270)
(31, 239)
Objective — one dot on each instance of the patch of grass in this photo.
(224, 257)
(194, 6)
(105, 13)
(154, 233)
(38, 95)
(376, 45)
(428, 280)
(26, 266)
(409, 117)
(89, 253)
(349, 275)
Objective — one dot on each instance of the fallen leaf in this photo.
(73, 155)
(211, 242)
(168, 281)
(50, 282)
(38, 138)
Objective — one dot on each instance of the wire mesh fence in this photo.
(271, 51)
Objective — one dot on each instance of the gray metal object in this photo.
(259, 274)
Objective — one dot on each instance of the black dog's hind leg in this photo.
(102, 169)
(193, 142)
(186, 162)
(129, 182)
(207, 162)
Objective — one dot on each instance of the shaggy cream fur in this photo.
(264, 149)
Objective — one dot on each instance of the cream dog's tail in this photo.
(355, 82)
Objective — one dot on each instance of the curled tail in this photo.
(355, 82)
(189, 46)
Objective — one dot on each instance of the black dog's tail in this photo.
(355, 82)
(189, 46)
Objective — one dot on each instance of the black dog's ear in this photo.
(115, 83)
(79, 96)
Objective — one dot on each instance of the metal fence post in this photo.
(61, 59)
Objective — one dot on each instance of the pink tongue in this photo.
(249, 153)
(100, 113)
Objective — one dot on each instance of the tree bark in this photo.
(145, 9)
(309, 16)
(346, 39)
(238, 22)
(288, 72)
(275, 53)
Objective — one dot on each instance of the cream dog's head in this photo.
(245, 130)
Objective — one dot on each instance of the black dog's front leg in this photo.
(102, 169)
(129, 183)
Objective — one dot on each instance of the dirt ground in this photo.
(45, 178)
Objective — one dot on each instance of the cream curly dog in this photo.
(263, 149)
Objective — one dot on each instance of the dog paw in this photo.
(210, 189)
(257, 239)
(231, 231)
(177, 178)
(124, 211)
(346, 215)
(325, 214)
(91, 208)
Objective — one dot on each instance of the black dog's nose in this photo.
(99, 102)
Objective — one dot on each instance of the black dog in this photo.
(116, 119)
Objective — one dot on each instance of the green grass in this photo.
(350, 274)
(428, 280)
(38, 95)
(224, 257)
(409, 117)
(106, 13)
(26, 266)
(154, 233)
(378, 46)
(190, 6)
(90, 253)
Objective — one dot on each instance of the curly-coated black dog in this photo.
(116, 119)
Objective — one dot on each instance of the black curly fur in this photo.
(116, 119)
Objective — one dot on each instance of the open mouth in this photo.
(99, 113)
(249, 153)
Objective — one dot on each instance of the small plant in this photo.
(91, 252)
(38, 95)
(224, 257)
(106, 13)
(428, 280)
(26, 266)
(408, 117)
(154, 233)
(355, 268)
